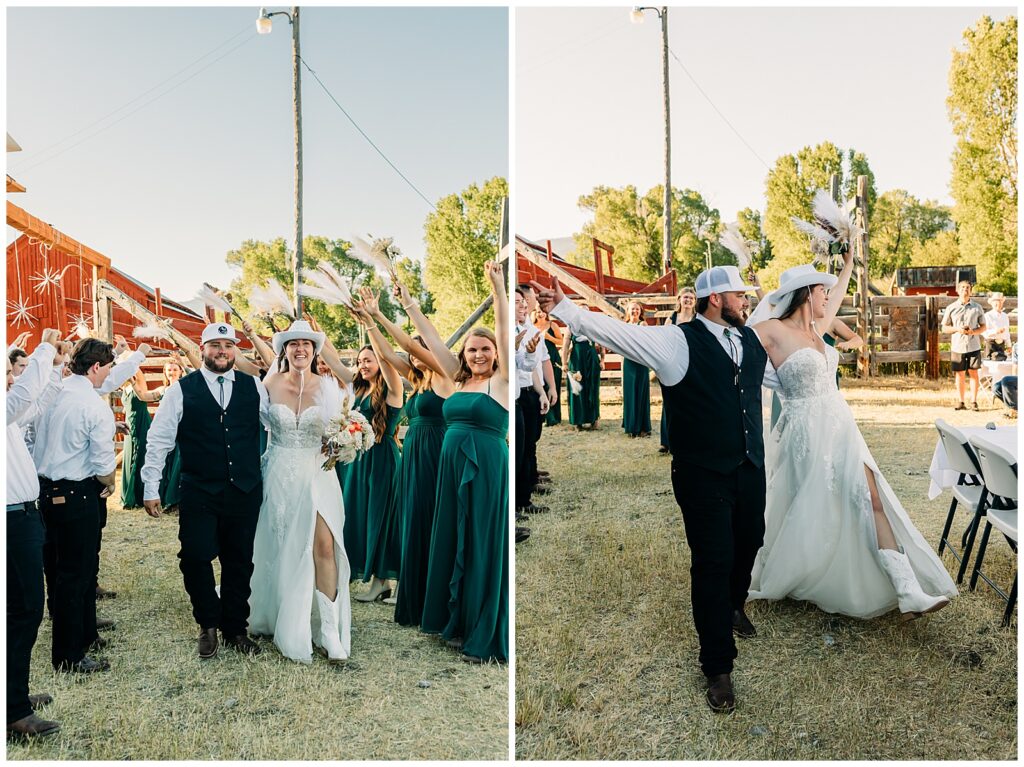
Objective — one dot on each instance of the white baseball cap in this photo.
(219, 331)
(720, 279)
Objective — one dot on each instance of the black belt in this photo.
(26, 506)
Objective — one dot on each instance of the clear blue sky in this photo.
(589, 100)
(168, 191)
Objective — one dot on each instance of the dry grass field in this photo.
(403, 695)
(606, 653)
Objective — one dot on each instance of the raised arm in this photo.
(30, 384)
(848, 340)
(404, 340)
(447, 362)
(661, 348)
(262, 347)
(369, 309)
(838, 292)
(379, 345)
(496, 276)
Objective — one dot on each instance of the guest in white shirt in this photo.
(25, 537)
(528, 409)
(74, 456)
(997, 328)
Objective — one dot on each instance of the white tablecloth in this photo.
(943, 476)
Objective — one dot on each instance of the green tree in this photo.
(900, 226)
(982, 105)
(941, 250)
(461, 235)
(259, 260)
(748, 221)
(789, 190)
(633, 225)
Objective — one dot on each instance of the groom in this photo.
(214, 416)
(711, 370)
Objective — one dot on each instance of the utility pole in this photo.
(297, 106)
(667, 238)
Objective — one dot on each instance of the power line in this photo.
(143, 106)
(44, 150)
(719, 111)
(363, 134)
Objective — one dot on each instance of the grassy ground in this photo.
(606, 652)
(403, 695)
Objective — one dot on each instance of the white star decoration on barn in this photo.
(48, 277)
(20, 312)
(80, 323)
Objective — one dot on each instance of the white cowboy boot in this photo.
(912, 600)
(329, 640)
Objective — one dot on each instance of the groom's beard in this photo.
(736, 319)
(215, 366)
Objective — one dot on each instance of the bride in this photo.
(836, 535)
(299, 550)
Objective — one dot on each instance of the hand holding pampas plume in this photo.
(327, 285)
(380, 255)
(833, 230)
(210, 298)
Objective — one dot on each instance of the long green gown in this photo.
(136, 415)
(372, 536)
(585, 408)
(170, 482)
(777, 403)
(417, 490)
(636, 398)
(554, 415)
(467, 579)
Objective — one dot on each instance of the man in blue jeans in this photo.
(1005, 388)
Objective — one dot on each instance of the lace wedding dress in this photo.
(820, 543)
(285, 602)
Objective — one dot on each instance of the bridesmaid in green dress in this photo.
(170, 482)
(585, 365)
(685, 311)
(421, 452)
(466, 599)
(553, 341)
(368, 483)
(636, 386)
(135, 398)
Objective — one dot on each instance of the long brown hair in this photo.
(800, 297)
(378, 390)
(463, 374)
(421, 380)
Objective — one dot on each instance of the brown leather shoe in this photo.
(102, 593)
(85, 666)
(208, 643)
(39, 700)
(720, 695)
(32, 726)
(741, 625)
(102, 624)
(97, 644)
(243, 644)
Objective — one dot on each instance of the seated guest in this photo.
(1005, 389)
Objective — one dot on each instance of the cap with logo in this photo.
(219, 331)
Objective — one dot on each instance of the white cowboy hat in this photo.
(720, 279)
(796, 277)
(219, 331)
(299, 329)
(995, 296)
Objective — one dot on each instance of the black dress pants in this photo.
(724, 519)
(220, 526)
(25, 536)
(522, 489)
(532, 421)
(71, 514)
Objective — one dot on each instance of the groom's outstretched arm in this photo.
(662, 348)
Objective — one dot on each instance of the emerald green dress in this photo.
(417, 490)
(467, 578)
(372, 536)
(170, 482)
(777, 403)
(636, 398)
(585, 407)
(136, 415)
(554, 415)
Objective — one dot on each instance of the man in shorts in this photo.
(965, 319)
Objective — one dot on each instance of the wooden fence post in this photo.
(931, 337)
(103, 310)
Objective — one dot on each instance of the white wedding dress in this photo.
(820, 543)
(284, 601)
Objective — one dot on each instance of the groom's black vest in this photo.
(715, 422)
(217, 446)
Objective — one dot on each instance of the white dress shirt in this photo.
(997, 326)
(75, 436)
(163, 432)
(525, 361)
(531, 360)
(23, 404)
(662, 348)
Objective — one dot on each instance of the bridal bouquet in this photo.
(348, 436)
